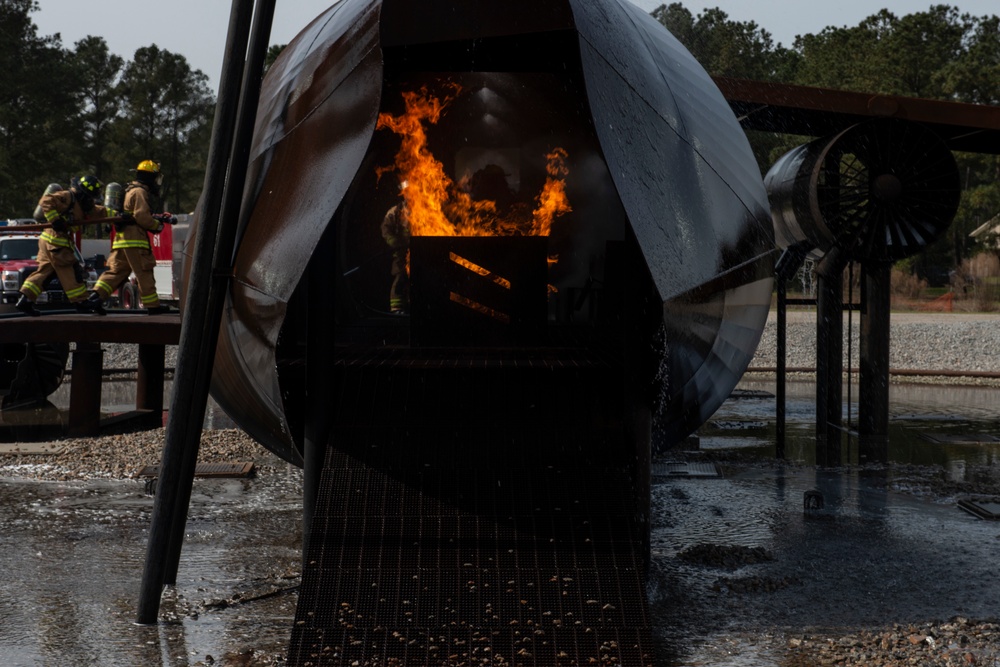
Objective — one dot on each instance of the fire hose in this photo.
(165, 218)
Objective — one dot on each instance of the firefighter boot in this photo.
(27, 306)
(91, 305)
(95, 301)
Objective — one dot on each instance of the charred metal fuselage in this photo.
(658, 246)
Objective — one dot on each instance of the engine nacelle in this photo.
(880, 190)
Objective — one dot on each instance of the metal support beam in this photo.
(85, 390)
(319, 389)
(149, 381)
(873, 395)
(829, 358)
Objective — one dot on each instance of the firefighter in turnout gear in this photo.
(396, 232)
(56, 248)
(130, 250)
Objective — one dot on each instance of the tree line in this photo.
(940, 54)
(68, 111)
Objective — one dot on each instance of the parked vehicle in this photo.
(18, 253)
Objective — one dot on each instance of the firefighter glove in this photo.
(126, 220)
(60, 224)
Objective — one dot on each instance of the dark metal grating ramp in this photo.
(471, 646)
(460, 544)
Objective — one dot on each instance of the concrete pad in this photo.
(32, 448)
(961, 438)
(692, 469)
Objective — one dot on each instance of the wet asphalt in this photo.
(736, 558)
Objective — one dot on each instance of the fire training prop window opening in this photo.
(464, 156)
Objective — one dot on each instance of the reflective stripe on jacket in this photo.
(122, 242)
(56, 238)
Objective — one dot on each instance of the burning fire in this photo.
(438, 206)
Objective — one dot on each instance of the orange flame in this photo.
(552, 201)
(440, 207)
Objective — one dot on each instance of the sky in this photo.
(197, 29)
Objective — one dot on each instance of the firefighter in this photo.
(130, 251)
(56, 248)
(396, 232)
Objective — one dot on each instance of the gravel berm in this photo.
(122, 455)
(944, 345)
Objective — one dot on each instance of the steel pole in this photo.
(780, 364)
(829, 358)
(222, 262)
(183, 399)
(873, 395)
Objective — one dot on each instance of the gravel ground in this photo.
(920, 341)
(946, 342)
(121, 455)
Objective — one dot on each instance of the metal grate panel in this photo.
(441, 536)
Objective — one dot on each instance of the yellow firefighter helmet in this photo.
(148, 172)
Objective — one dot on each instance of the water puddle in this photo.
(889, 545)
(74, 554)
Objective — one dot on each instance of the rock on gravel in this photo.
(958, 642)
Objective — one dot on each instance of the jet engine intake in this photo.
(880, 190)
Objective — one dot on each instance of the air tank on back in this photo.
(574, 179)
(114, 196)
(38, 215)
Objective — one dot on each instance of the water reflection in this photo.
(951, 427)
(872, 556)
(74, 554)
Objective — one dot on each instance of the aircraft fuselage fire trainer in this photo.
(576, 144)
(586, 260)
(489, 256)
